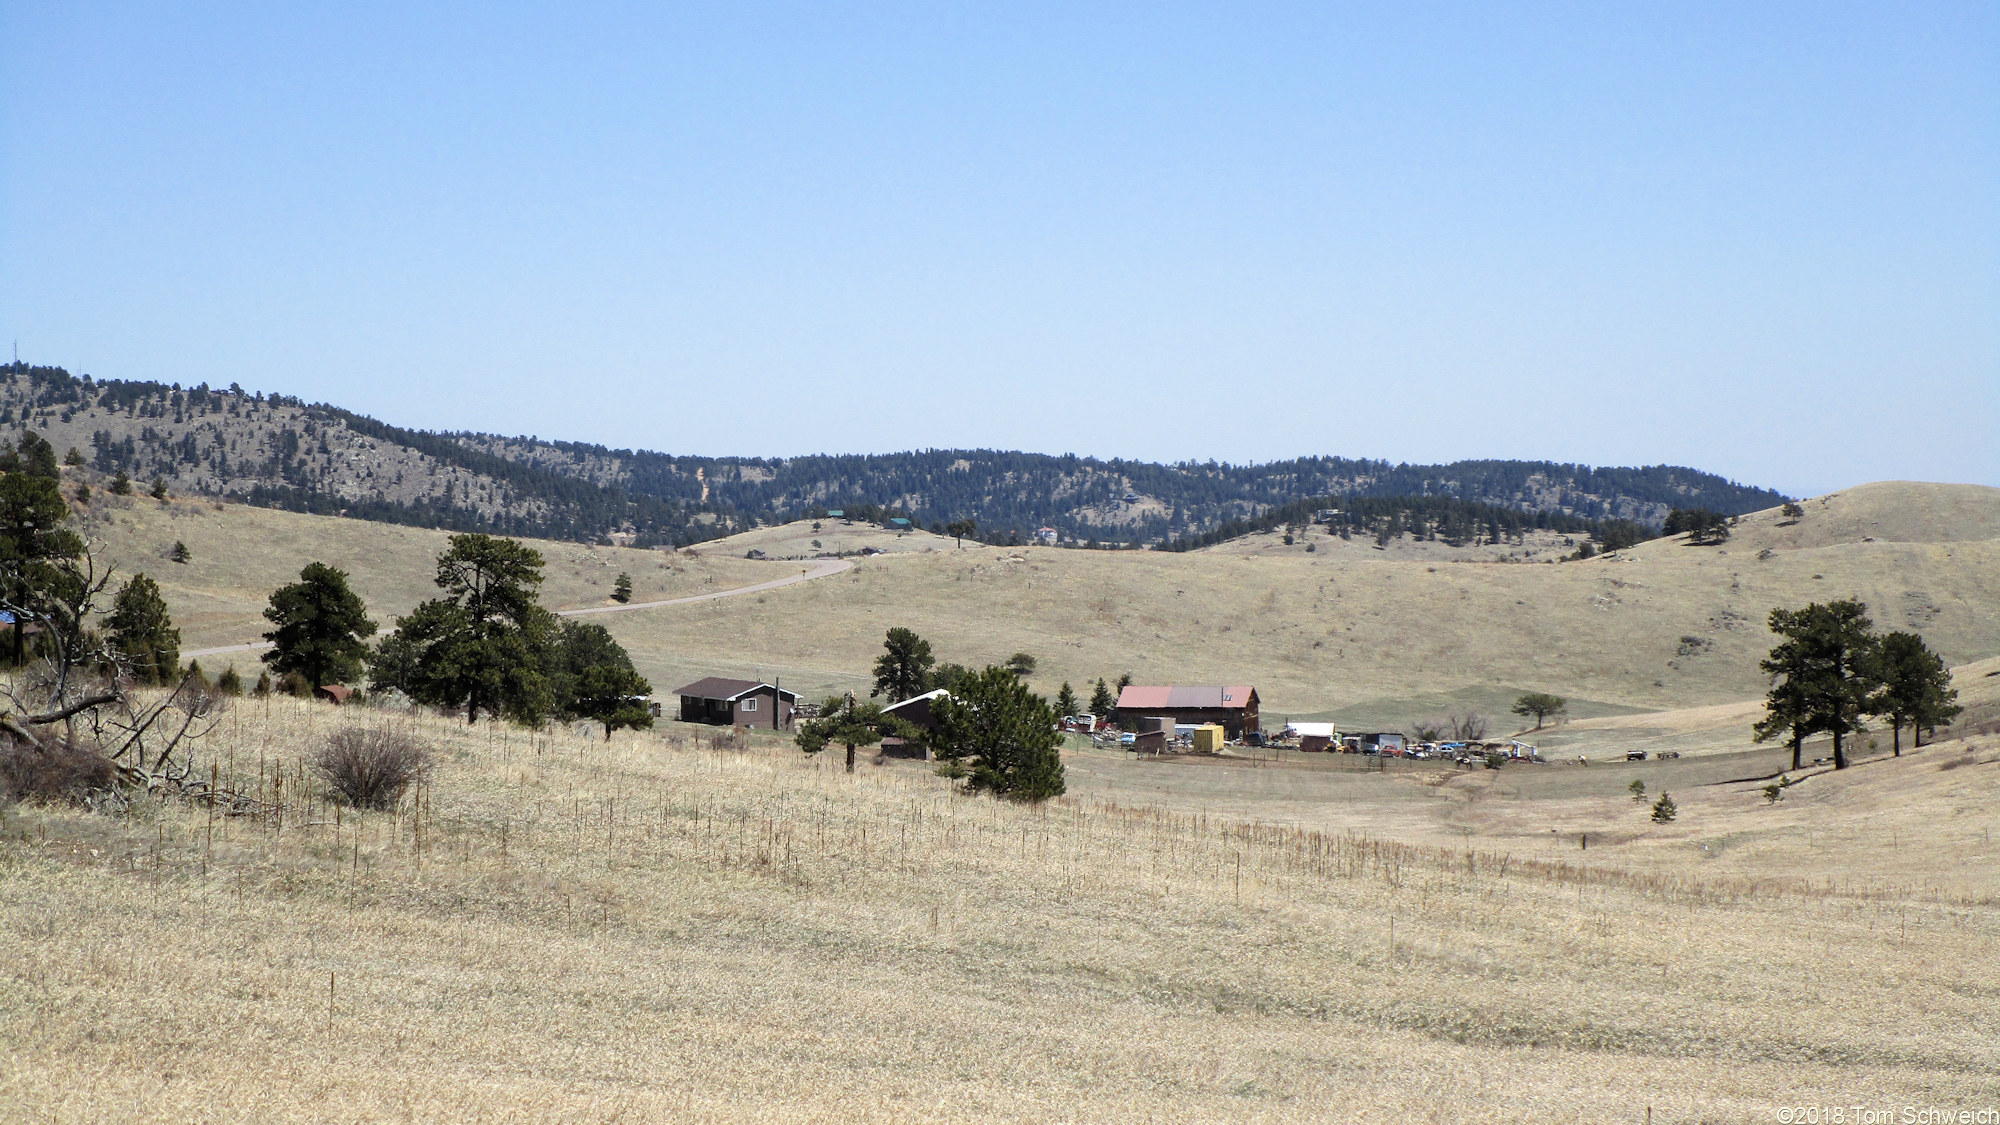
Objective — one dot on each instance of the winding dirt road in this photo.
(822, 569)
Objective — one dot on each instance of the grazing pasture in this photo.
(556, 929)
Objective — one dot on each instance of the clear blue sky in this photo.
(1761, 239)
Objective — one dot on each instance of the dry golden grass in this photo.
(240, 554)
(557, 929)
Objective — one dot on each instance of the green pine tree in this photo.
(320, 626)
(1101, 701)
(621, 590)
(904, 668)
(1664, 809)
(1915, 687)
(1066, 704)
(590, 676)
(1825, 663)
(37, 547)
(1006, 732)
(613, 696)
(851, 724)
(143, 634)
(483, 646)
(1541, 705)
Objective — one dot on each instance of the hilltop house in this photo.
(737, 703)
(1233, 707)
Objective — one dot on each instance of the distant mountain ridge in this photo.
(278, 451)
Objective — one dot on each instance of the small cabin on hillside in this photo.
(737, 703)
(1232, 707)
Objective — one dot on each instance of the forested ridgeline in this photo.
(1451, 521)
(1119, 501)
(277, 451)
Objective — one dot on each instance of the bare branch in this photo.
(84, 704)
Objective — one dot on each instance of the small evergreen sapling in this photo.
(1638, 789)
(1102, 702)
(621, 590)
(1664, 809)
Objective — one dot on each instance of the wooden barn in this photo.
(737, 703)
(1233, 707)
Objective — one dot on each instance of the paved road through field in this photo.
(821, 569)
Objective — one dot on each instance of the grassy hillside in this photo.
(564, 930)
(1373, 636)
(1367, 636)
(240, 554)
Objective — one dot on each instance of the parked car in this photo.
(1635, 755)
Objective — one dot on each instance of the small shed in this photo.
(737, 703)
(1208, 738)
(894, 747)
(1312, 736)
(1382, 742)
(335, 694)
(916, 710)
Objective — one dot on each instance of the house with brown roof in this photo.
(1232, 706)
(737, 703)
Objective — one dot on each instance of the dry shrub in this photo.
(61, 771)
(369, 767)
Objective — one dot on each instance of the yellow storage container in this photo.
(1208, 738)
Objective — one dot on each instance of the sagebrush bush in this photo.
(370, 767)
